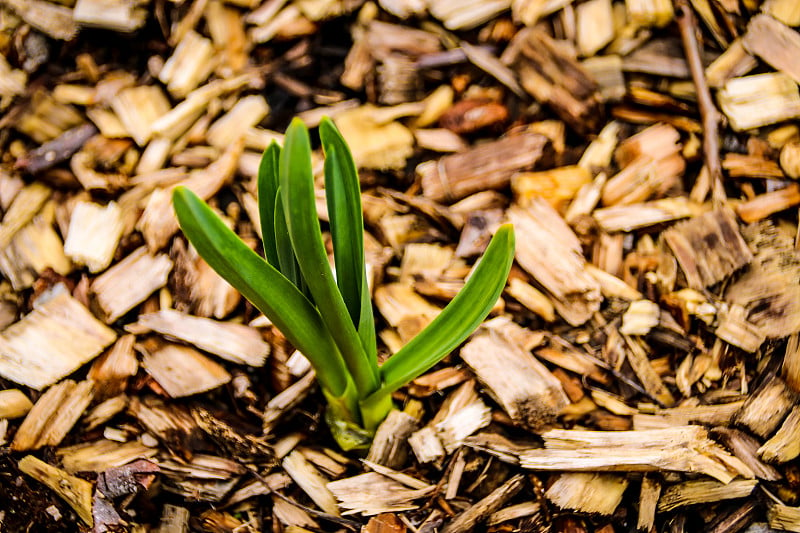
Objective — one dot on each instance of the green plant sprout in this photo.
(328, 317)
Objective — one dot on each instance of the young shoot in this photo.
(329, 318)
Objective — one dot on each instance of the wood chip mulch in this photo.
(640, 373)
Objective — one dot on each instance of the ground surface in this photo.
(645, 155)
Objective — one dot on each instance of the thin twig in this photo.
(708, 112)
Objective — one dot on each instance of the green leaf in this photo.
(264, 286)
(344, 210)
(287, 262)
(343, 195)
(267, 193)
(297, 191)
(456, 321)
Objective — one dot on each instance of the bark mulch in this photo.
(641, 371)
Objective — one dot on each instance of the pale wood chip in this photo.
(51, 342)
(559, 269)
(102, 454)
(53, 415)
(158, 222)
(117, 15)
(759, 100)
(372, 493)
(75, 491)
(588, 493)
(183, 371)
(129, 282)
(189, 65)
(680, 448)
(94, 232)
(522, 385)
(14, 404)
(695, 492)
(53, 20)
(775, 43)
(234, 342)
(311, 481)
(785, 444)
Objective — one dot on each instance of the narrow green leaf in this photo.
(456, 321)
(264, 286)
(267, 193)
(297, 191)
(343, 195)
(287, 262)
(366, 323)
(347, 233)
(347, 229)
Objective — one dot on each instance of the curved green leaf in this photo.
(456, 321)
(264, 286)
(267, 193)
(297, 191)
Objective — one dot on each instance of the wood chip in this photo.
(783, 518)
(560, 270)
(767, 289)
(112, 369)
(233, 342)
(759, 100)
(158, 222)
(709, 248)
(25, 206)
(94, 232)
(247, 113)
(681, 448)
(648, 499)
(588, 493)
(390, 444)
(75, 491)
(51, 342)
(309, 479)
(129, 282)
(14, 403)
(372, 493)
(53, 20)
(138, 108)
(775, 43)
(489, 166)
(115, 15)
(376, 139)
(182, 371)
(745, 447)
(189, 65)
(522, 385)
(481, 510)
(555, 78)
(102, 454)
(638, 216)
(695, 492)
(53, 415)
(766, 407)
(785, 444)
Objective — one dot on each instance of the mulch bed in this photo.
(640, 373)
